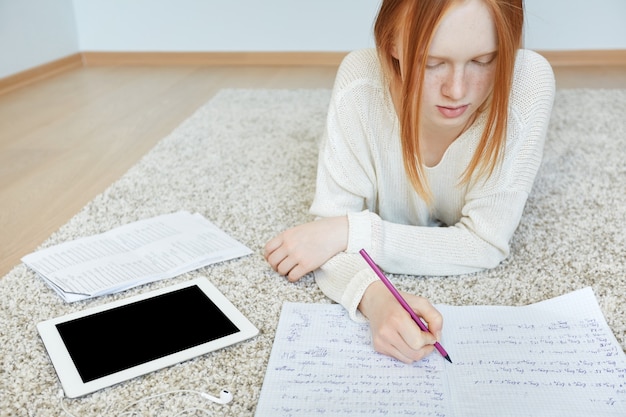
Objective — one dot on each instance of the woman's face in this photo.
(460, 68)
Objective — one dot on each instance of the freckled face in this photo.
(460, 68)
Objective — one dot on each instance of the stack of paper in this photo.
(135, 254)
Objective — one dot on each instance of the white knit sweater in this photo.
(361, 174)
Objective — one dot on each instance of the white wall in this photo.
(35, 32)
(575, 24)
(225, 25)
(312, 25)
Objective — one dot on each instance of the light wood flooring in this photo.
(64, 140)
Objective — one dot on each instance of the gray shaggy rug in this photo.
(247, 162)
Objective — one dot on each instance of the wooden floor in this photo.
(64, 140)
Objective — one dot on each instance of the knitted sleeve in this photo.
(346, 176)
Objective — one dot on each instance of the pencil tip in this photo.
(448, 358)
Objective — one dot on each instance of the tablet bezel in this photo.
(68, 375)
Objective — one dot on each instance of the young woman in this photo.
(432, 144)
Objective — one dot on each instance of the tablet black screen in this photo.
(120, 338)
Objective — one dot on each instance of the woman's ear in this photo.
(394, 50)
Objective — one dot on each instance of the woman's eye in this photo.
(433, 64)
(484, 62)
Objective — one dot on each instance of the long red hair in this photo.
(417, 22)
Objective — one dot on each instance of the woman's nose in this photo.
(454, 86)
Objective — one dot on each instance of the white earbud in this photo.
(225, 397)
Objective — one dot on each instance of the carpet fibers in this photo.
(246, 161)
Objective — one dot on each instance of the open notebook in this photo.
(553, 358)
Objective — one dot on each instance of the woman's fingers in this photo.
(424, 309)
(282, 261)
(304, 248)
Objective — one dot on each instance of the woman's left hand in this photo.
(304, 248)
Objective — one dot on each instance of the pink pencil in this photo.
(401, 300)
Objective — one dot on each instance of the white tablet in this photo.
(108, 344)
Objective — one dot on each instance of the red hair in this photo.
(417, 21)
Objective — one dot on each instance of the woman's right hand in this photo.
(304, 248)
(394, 333)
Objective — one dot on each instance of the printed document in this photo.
(134, 254)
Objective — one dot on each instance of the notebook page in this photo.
(554, 358)
(323, 363)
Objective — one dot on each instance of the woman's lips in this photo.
(452, 112)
